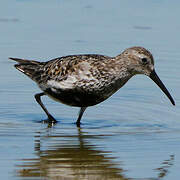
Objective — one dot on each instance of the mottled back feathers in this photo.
(90, 75)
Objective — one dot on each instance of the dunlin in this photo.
(88, 79)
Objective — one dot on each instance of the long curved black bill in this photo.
(156, 79)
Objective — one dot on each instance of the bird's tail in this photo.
(28, 67)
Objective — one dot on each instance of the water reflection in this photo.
(164, 169)
(69, 157)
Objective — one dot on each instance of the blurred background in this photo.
(135, 134)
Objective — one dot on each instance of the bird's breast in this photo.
(84, 89)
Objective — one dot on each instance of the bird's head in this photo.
(140, 61)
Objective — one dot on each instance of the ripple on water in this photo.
(65, 151)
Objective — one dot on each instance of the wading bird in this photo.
(88, 79)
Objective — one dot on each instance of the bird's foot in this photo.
(51, 120)
(78, 124)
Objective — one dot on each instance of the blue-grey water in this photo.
(133, 135)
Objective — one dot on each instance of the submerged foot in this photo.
(49, 122)
(78, 124)
(51, 119)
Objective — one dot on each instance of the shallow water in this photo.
(133, 135)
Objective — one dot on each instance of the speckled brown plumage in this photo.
(86, 80)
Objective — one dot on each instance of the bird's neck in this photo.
(120, 68)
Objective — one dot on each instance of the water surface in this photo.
(133, 135)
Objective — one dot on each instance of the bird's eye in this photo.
(144, 60)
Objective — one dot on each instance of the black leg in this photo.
(38, 99)
(80, 116)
